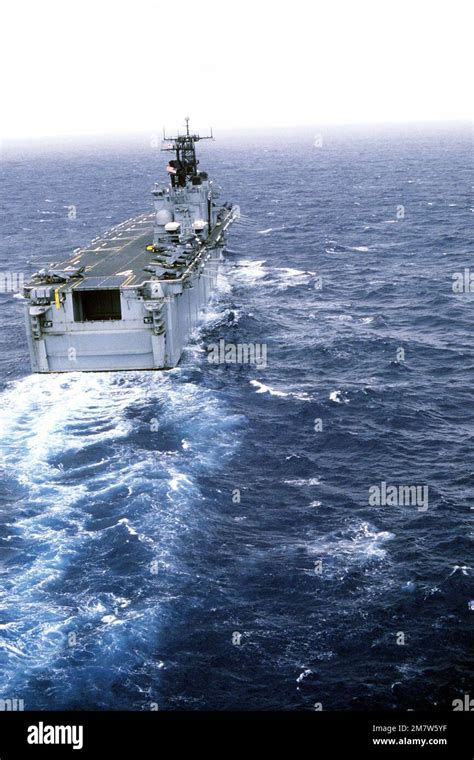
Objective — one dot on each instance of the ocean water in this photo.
(132, 577)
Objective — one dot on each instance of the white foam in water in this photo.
(270, 229)
(303, 482)
(38, 411)
(290, 272)
(359, 542)
(45, 423)
(40, 418)
(304, 675)
(222, 285)
(282, 278)
(248, 271)
(252, 272)
(262, 388)
(178, 481)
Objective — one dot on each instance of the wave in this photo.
(338, 397)
(334, 247)
(252, 272)
(102, 494)
(359, 542)
(303, 482)
(271, 229)
(248, 271)
(262, 388)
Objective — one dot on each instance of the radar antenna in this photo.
(185, 165)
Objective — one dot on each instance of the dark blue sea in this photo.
(132, 577)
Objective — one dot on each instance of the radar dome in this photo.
(163, 217)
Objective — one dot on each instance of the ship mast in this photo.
(185, 165)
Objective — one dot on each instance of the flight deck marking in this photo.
(142, 219)
(136, 238)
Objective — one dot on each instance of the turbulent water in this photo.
(132, 576)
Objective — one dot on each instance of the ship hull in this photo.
(145, 338)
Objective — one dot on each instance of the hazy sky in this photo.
(109, 66)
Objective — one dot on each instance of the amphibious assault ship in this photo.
(130, 300)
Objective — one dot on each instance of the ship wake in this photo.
(100, 493)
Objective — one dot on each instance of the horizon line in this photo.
(238, 129)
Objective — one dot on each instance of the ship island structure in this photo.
(130, 300)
